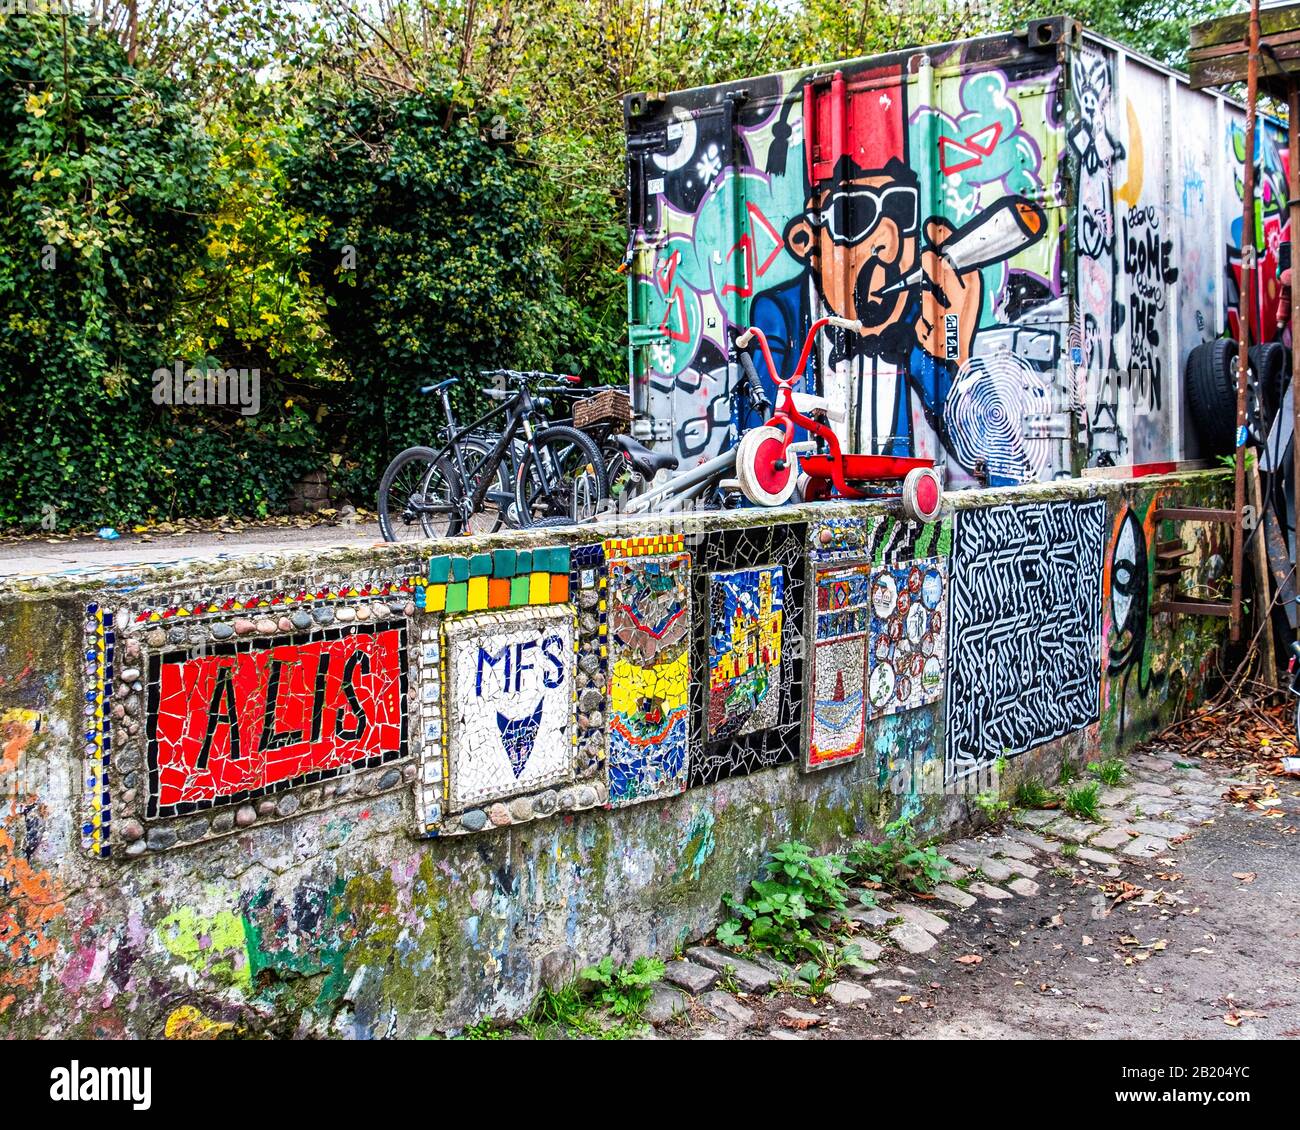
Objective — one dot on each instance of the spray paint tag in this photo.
(1241, 436)
(950, 328)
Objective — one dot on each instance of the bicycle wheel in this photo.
(490, 517)
(561, 475)
(419, 497)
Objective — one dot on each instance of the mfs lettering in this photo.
(505, 668)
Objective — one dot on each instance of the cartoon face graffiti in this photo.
(860, 238)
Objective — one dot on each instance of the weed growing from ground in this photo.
(797, 896)
(1111, 772)
(1032, 793)
(1082, 802)
(898, 860)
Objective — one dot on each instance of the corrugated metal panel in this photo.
(1073, 245)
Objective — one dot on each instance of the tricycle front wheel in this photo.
(765, 467)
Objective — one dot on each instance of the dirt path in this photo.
(1205, 943)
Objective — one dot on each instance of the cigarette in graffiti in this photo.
(1004, 230)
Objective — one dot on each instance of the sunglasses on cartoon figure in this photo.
(850, 216)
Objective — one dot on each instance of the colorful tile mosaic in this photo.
(468, 783)
(839, 714)
(649, 616)
(644, 547)
(729, 747)
(746, 619)
(503, 578)
(243, 719)
(510, 704)
(234, 710)
(879, 538)
(880, 649)
(100, 639)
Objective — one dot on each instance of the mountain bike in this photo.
(557, 471)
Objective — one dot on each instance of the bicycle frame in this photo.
(684, 487)
(518, 411)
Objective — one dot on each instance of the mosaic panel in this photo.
(880, 645)
(906, 647)
(510, 699)
(839, 715)
(232, 708)
(503, 578)
(746, 612)
(473, 737)
(730, 750)
(245, 718)
(1025, 644)
(648, 751)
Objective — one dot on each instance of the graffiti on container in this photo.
(1148, 266)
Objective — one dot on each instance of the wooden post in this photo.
(1293, 198)
(1247, 300)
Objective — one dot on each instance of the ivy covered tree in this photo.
(434, 264)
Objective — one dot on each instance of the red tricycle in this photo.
(768, 472)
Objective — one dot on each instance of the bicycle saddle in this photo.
(440, 385)
(647, 463)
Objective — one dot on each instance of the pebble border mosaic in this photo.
(198, 633)
(99, 642)
(484, 597)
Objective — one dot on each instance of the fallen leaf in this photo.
(904, 999)
(1245, 876)
(1087, 941)
(970, 959)
(800, 1023)
(1232, 1019)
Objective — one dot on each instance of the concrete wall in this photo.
(445, 803)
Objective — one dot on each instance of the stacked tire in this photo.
(1211, 380)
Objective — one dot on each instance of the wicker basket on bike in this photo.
(610, 407)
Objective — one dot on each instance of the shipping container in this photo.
(1085, 203)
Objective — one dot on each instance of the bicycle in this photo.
(557, 475)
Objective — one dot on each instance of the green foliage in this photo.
(992, 805)
(483, 1030)
(1111, 772)
(795, 898)
(449, 275)
(103, 175)
(898, 860)
(1082, 802)
(1069, 772)
(606, 1001)
(1032, 793)
(625, 989)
